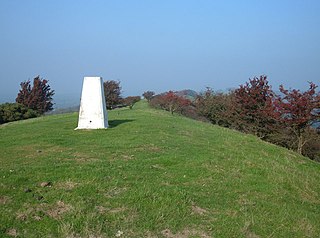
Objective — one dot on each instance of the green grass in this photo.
(151, 175)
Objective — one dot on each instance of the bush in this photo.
(131, 100)
(14, 112)
(171, 102)
(217, 107)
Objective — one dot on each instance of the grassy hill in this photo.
(151, 175)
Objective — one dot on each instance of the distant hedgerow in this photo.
(14, 112)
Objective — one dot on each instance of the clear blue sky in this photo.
(158, 45)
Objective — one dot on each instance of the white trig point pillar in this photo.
(93, 112)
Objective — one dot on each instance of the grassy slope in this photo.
(150, 172)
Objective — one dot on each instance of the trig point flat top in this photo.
(93, 112)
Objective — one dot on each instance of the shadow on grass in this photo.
(115, 123)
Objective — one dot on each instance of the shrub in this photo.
(171, 102)
(131, 100)
(216, 107)
(14, 112)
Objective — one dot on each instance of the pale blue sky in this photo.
(158, 45)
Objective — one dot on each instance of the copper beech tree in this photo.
(37, 97)
(298, 111)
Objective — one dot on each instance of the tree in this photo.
(148, 95)
(298, 111)
(171, 102)
(254, 105)
(216, 106)
(131, 100)
(37, 97)
(112, 92)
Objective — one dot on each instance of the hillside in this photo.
(151, 175)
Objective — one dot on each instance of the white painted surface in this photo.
(93, 112)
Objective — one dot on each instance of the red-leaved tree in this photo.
(216, 106)
(37, 97)
(254, 106)
(171, 102)
(112, 93)
(298, 111)
(131, 100)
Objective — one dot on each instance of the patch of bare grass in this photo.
(127, 157)
(55, 211)
(306, 227)
(58, 209)
(115, 192)
(12, 232)
(148, 148)
(198, 210)
(34, 151)
(35, 213)
(186, 233)
(66, 185)
(103, 210)
(82, 158)
(4, 200)
(248, 232)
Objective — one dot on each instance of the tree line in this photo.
(36, 98)
(290, 119)
(32, 101)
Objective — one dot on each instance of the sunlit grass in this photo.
(151, 175)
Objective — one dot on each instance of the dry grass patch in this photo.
(83, 158)
(57, 210)
(148, 148)
(104, 210)
(127, 157)
(37, 213)
(186, 233)
(306, 227)
(247, 231)
(4, 200)
(198, 210)
(12, 232)
(34, 151)
(115, 192)
(67, 185)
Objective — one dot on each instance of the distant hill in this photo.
(187, 93)
(151, 174)
(64, 110)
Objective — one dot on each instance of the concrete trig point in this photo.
(92, 113)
